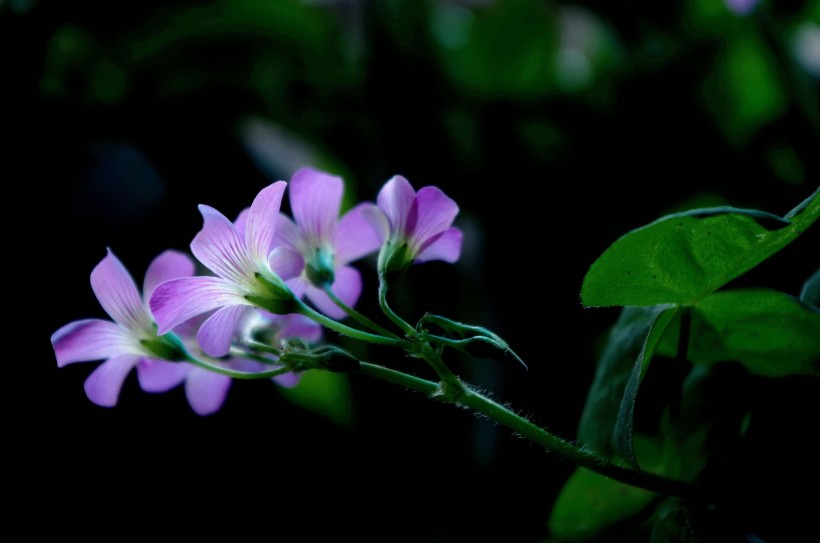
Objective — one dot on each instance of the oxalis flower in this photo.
(131, 337)
(206, 390)
(414, 227)
(247, 274)
(326, 242)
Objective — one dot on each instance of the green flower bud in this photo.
(167, 347)
(320, 269)
(394, 258)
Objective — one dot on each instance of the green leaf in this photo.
(626, 341)
(810, 294)
(673, 523)
(322, 392)
(702, 420)
(683, 257)
(623, 433)
(769, 332)
(590, 504)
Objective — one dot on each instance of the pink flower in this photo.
(131, 337)
(414, 227)
(326, 242)
(206, 390)
(248, 274)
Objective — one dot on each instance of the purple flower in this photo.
(131, 337)
(741, 7)
(206, 390)
(414, 227)
(248, 274)
(326, 242)
(277, 330)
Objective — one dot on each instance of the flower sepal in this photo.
(473, 340)
(394, 258)
(166, 347)
(329, 358)
(320, 269)
(279, 300)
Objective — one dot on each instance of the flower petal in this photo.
(395, 200)
(160, 376)
(168, 265)
(241, 222)
(178, 300)
(315, 200)
(377, 220)
(261, 222)
(220, 248)
(297, 286)
(296, 326)
(354, 236)
(92, 339)
(104, 384)
(246, 365)
(206, 390)
(347, 286)
(215, 334)
(118, 295)
(445, 246)
(287, 380)
(286, 263)
(287, 234)
(433, 212)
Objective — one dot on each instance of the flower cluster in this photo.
(249, 313)
(276, 282)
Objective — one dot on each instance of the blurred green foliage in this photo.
(324, 393)
(312, 58)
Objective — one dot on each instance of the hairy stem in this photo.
(520, 425)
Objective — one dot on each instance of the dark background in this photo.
(556, 127)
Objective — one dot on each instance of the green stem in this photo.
(451, 386)
(681, 358)
(257, 346)
(398, 321)
(236, 374)
(683, 338)
(343, 329)
(412, 382)
(574, 453)
(522, 426)
(243, 353)
(449, 342)
(363, 320)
